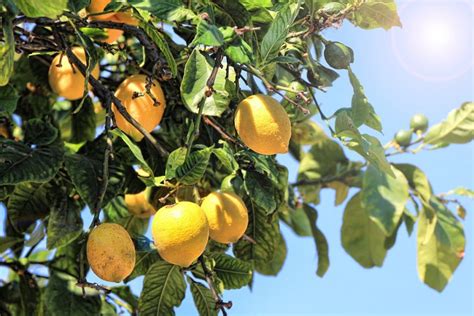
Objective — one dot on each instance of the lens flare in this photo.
(436, 41)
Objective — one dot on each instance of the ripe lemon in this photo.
(97, 6)
(126, 17)
(139, 104)
(180, 232)
(65, 79)
(110, 252)
(112, 34)
(263, 125)
(227, 216)
(138, 205)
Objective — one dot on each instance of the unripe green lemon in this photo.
(180, 232)
(338, 55)
(110, 252)
(403, 137)
(419, 122)
(263, 125)
(227, 216)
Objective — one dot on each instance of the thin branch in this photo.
(220, 304)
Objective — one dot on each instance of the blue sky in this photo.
(425, 67)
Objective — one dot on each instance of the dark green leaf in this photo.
(29, 295)
(83, 122)
(163, 289)
(262, 192)
(125, 293)
(274, 266)
(8, 98)
(362, 238)
(77, 5)
(203, 299)
(193, 168)
(39, 132)
(64, 224)
(136, 151)
(233, 272)
(6, 242)
(175, 159)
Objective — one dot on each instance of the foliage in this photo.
(58, 156)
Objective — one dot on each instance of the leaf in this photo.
(175, 159)
(277, 33)
(226, 157)
(233, 272)
(322, 246)
(458, 128)
(8, 98)
(163, 289)
(232, 12)
(263, 230)
(373, 14)
(440, 255)
(262, 192)
(296, 218)
(29, 294)
(43, 8)
(236, 48)
(203, 298)
(125, 293)
(7, 52)
(64, 224)
(384, 198)
(274, 266)
(208, 34)
(136, 151)
(27, 203)
(362, 238)
(194, 167)
(168, 10)
(68, 258)
(409, 220)
(161, 43)
(63, 298)
(417, 180)
(78, 5)
(7, 242)
(19, 162)
(462, 192)
(83, 122)
(307, 133)
(197, 71)
(144, 260)
(39, 132)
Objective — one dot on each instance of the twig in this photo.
(220, 304)
(211, 122)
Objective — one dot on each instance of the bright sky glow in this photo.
(435, 43)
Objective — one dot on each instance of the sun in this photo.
(436, 40)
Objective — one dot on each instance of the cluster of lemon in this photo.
(180, 233)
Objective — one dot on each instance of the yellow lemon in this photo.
(263, 125)
(227, 216)
(140, 105)
(110, 252)
(97, 6)
(126, 17)
(138, 205)
(180, 232)
(65, 79)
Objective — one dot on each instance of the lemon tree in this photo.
(121, 116)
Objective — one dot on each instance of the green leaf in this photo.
(462, 192)
(236, 48)
(458, 128)
(144, 260)
(163, 289)
(439, 255)
(43, 8)
(262, 192)
(417, 180)
(63, 298)
(29, 294)
(39, 132)
(7, 52)
(175, 159)
(194, 167)
(125, 293)
(161, 43)
(296, 218)
(197, 71)
(384, 198)
(274, 266)
(226, 158)
(322, 246)
(208, 34)
(83, 122)
(136, 151)
(78, 5)
(373, 14)
(64, 224)
(233, 272)
(67, 258)
(168, 10)
(362, 238)
(203, 299)
(256, 4)
(7, 242)
(231, 12)
(8, 99)
(277, 33)
(19, 162)
(263, 230)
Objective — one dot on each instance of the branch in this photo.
(220, 304)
